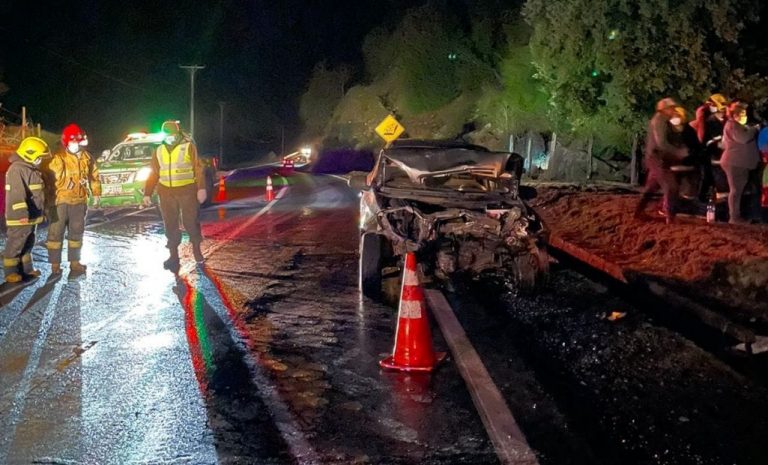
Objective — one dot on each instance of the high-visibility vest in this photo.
(176, 167)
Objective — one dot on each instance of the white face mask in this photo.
(713, 109)
(37, 161)
(742, 120)
(73, 147)
(170, 140)
(675, 121)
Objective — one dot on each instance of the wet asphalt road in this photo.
(266, 354)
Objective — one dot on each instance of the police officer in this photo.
(24, 204)
(70, 174)
(179, 173)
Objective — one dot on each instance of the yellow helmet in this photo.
(33, 149)
(718, 100)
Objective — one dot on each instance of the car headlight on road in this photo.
(143, 173)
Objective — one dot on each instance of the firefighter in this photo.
(709, 123)
(24, 207)
(71, 172)
(177, 169)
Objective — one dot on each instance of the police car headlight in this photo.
(143, 173)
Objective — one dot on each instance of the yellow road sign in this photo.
(389, 129)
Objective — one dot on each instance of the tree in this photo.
(325, 89)
(605, 62)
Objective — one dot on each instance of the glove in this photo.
(146, 201)
(202, 195)
(96, 201)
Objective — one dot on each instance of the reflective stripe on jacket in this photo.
(69, 176)
(176, 168)
(24, 194)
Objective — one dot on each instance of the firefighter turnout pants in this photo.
(17, 256)
(175, 201)
(72, 219)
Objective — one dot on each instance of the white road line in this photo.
(506, 436)
(285, 421)
(20, 399)
(235, 232)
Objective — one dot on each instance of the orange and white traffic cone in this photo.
(413, 339)
(221, 195)
(270, 191)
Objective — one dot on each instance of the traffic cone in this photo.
(413, 339)
(270, 191)
(221, 195)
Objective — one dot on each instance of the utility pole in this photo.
(23, 122)
(192, 70)
(221, 133)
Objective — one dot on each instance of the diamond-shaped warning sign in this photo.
(389, 129)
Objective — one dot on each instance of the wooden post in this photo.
(39, 130)
(589, 156)
(634, 168)
(23, 122)
(528, 154)
(552, 148)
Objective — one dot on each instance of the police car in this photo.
(124, 169)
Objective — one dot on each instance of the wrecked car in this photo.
(457, 206)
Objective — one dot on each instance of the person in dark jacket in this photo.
(660, 154)
(740, 156)
(24, 206)
(709, 123)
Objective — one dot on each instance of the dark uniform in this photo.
(660, 154)
(179, 176)
(24, 204)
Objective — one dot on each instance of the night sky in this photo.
(113, 66)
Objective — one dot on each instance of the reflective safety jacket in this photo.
(68, 177)
(24, 194)
(177, 167)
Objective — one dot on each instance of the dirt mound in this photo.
(724, 262)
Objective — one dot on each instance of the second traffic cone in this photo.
(270, 191)
(221, 195)
(413, 339)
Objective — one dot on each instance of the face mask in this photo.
(713, 109)
(742, 120)
(170, 140)
(37, 161)
(73, 147)
(675, 121)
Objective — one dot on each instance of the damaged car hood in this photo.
(422, 164)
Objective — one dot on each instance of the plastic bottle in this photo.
(711, 207)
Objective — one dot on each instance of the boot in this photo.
(172, 264)
(13, 278)
(55, 268)
(75, 267)
(199, 257)
(32, 273)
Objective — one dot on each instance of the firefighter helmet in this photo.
(73, 133)
(718, 100)
(33, 149)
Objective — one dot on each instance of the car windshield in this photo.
(133, 152)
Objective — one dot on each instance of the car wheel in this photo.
(530, 270)
(370, 265)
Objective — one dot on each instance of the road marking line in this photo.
(285, 421)
(20, 399)
(506, 436)
(225, 240)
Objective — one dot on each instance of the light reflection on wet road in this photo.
(264, 355)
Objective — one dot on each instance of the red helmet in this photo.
(73, 133)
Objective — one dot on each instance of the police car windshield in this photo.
(133, 152)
